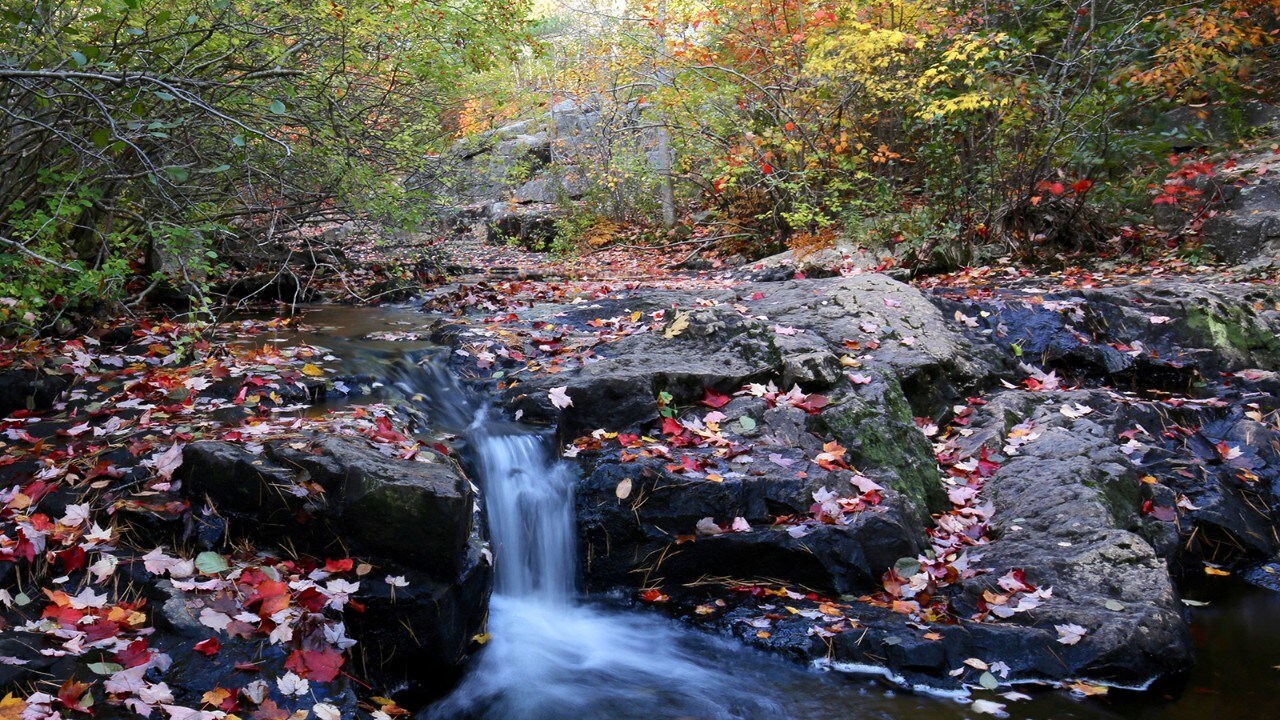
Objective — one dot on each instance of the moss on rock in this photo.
(877, 429)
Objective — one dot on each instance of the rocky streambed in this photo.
(961, 490)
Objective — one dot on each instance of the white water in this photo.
(550, 657)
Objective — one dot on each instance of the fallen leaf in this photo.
(1070, 634)
(623, 491)
(1075, 410)
(208, 648)
(168, 461)
(677, 326)
(11, 707)
(988, 707)
(291, 684)
(560, 398)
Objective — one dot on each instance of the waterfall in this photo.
(551, 657)
(529, 511)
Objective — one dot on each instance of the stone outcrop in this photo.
(1244, 227)
(515, 181)
(334, 495)
(1108, 519)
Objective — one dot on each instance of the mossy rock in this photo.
(1237, 332)
(875, 425)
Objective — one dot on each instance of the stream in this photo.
(555, 654)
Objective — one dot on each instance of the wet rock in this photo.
(1164, 334)
(416, 513)
(30, 390)
(420, 636)
(408, 518)
(719, 350)
(795, 334)
(874, 424)
(652, 536)
(250, 490)
(1216, 500)
(1061, 508)
(1265, 575)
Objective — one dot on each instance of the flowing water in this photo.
(551, 657)
(556, 656)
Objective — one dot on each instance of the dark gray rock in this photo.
(531, 226)
(408, 518)
(418, 514)
(1161, 335)
(1061, 508)
(421, 636)
(31, 390)
(719, 350)
(917, 344)
(650, 537)
(1248, 227)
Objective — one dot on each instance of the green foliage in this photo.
(141, 136)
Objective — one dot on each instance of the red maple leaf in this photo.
(318, 665)
(208, 647)
(713, 399)
(338, 566)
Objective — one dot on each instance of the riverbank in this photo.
(186, 498)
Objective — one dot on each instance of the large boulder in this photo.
(658, 534)
(915, 342)
(1063, 509)
(791, 333)
(531, 225)
(1247, 228)
(1238, 201)
(335, 496)
(418, 514)
(1148, 334)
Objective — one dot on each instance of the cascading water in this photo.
(552, 657)
(529, 510)
(549, 656)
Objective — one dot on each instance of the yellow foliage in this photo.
(11, 707)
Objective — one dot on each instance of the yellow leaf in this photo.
(1086, 689)
(1215, 571)
(215, 696)
(311, 370)
(479, 639)
(11, 708)
(677, 326)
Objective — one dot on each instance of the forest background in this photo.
(149, 151)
